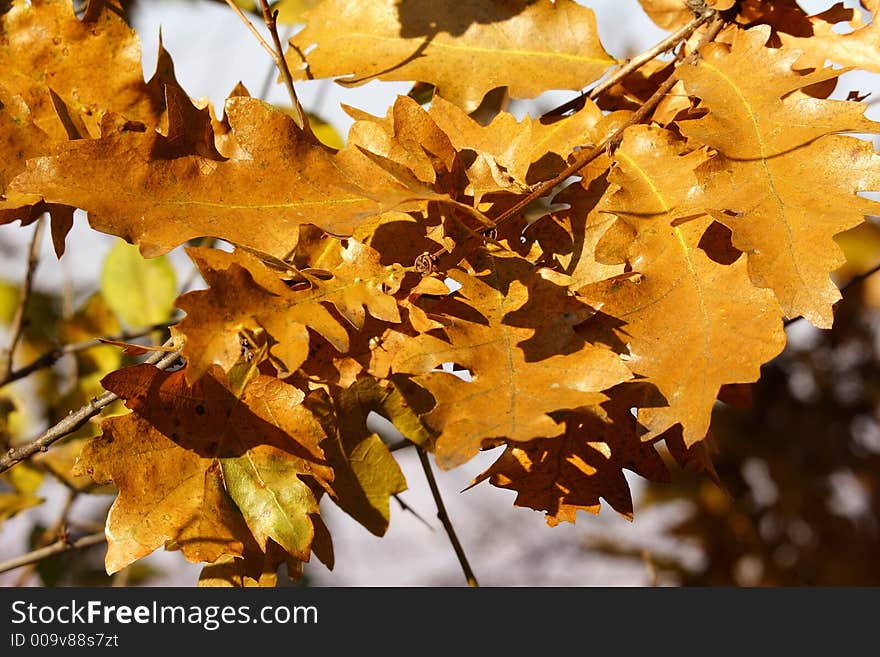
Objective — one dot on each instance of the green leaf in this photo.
(366, 474)
(140, 291)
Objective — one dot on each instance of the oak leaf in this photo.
(245, 294)
(205, 470)
(777, 150)
(571, 472)
(691, 324)
(464, 49)
(512, 329)
(159, 191)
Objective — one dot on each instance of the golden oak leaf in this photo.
(465, 49)
(93, 64)
(563, 474)
(22, 139)
(366, 474)
(244, 294)
(691, 324)
(783, 181)
(204, 469)
(513, 330)
(859, 48)
(157, 192)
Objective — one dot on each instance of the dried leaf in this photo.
(691, 324)
(464, 49)
(776, 150)
(189, 463)
(513, 330)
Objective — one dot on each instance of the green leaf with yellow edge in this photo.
(366, 473)
(140, 291)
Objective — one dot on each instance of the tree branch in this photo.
(53, 356)
(271, 19)
(444, 518)
(75, 419)
(633, 64)
(58, 547)
(17, 328)
(581, 159)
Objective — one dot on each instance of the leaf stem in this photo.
(634, 64)
(76, 419)
(18, 320)
(444, 518)
(58, 547)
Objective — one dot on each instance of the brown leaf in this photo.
(245, 295)
(159, 191)
(95, 66)
(197, 466)
(513, 330)
(573, 471)
(464, 49)
(691, 324)
(784, 182)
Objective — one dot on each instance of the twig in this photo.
(585, 157)
(634, 64)
(53, 356)
(277, 55)
(58, 532)
(75, 419)
(18, 319)
(853, 282)
(406, 507)
(58, 547)
(271, 19)
(250, 26)
(444, 518)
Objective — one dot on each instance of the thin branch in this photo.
(18, 319)
(853, 282)
(444, 518)
(406, 507)
(254, 31)
(59, 547)
(58, 531)
(75, 419)
(634, 64)
(583, 158)
(271, 19)
(53, 356)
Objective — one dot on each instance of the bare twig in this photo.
(406, 507)
(277, 55)
(444, 518)
(58, 532)
(583, 158)
(271, 19)
(634, 64)
(254, 31)
(18, 322)
(853, 282)
(75, 419)
(58, 547)
(53, 356)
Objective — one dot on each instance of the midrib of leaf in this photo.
(685, 250)
(511, 52)
(763, 148)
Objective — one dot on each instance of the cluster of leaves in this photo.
(584, 327)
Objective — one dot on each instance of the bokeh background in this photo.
(799, 468)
